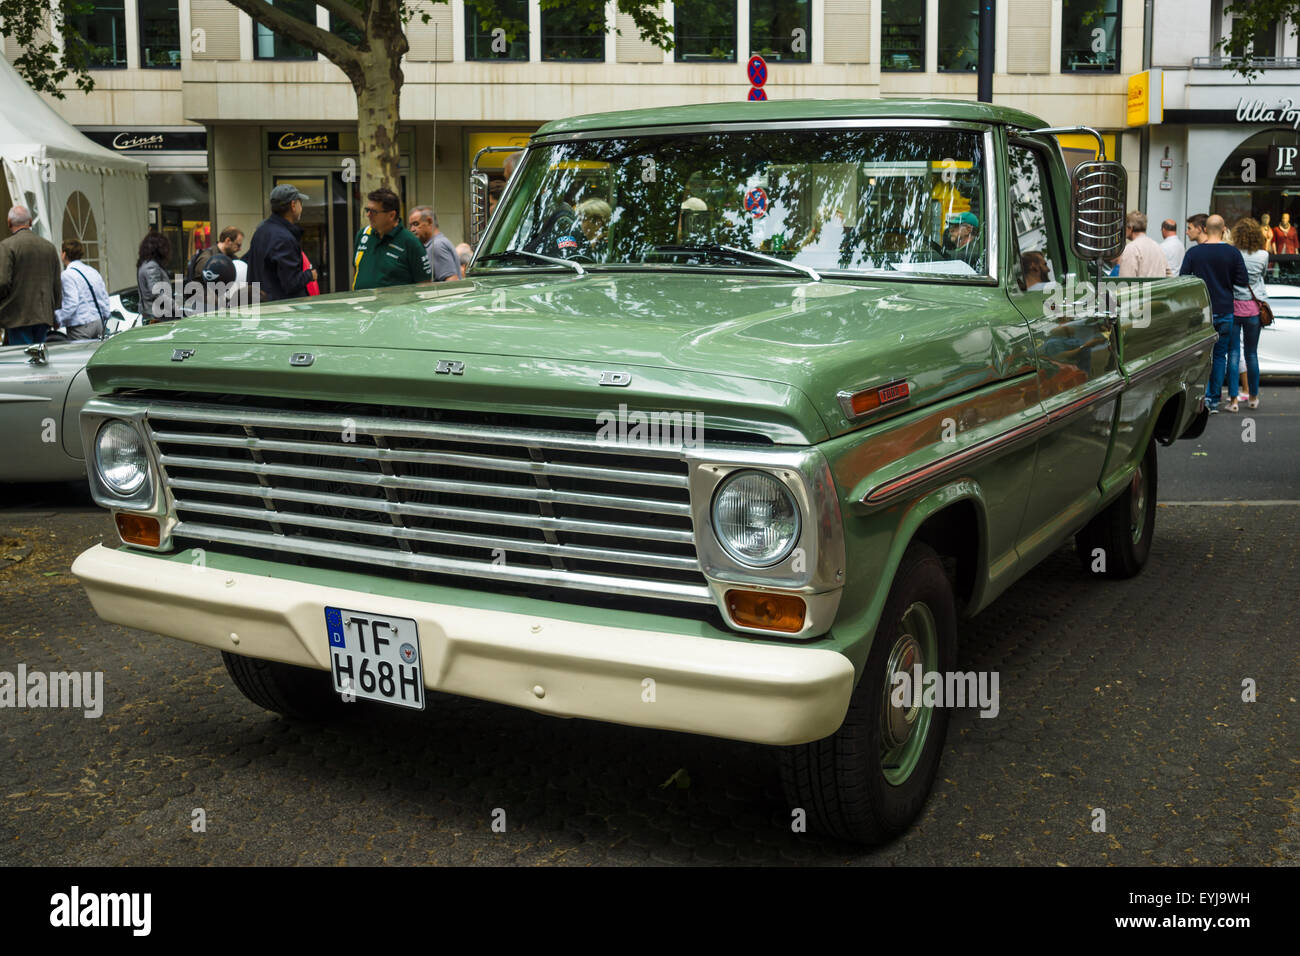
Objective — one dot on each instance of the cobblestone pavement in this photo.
(1121, 696)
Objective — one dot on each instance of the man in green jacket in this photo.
(386, 252)
(31, 283)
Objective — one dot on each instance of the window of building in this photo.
(345, 31)
(491, 40)
(269, 45)
(79, 224)
(959, 36)
(704, 30)
(902, 36)
(569, 34)
(104, 30)
(1090, 36)
(781, 30)
(160, 33)
(1263, 44)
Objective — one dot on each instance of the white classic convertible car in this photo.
(42, 389)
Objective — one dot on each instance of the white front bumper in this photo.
(755, 692)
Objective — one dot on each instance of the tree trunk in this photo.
(379, 92)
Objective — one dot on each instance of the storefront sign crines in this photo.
(1257, 111)
(137, 141)
(306, 142)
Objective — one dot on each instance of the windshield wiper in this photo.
(536, 256)
(746, 253)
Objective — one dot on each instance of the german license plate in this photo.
(375, 657)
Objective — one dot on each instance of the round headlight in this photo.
(755, 518)
(121, 458)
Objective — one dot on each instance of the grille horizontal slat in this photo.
(573, 525)
(352, 450)
(408, 492)
(332, 549)
(427, 484)
(576, 552)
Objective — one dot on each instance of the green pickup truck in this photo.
(741, 409)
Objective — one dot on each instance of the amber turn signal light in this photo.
(138, 529)
(872, 398)
(771, 612)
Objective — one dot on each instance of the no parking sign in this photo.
(757, 70)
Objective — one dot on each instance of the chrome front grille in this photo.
(531, 506)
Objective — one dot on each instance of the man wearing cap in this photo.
(963, 238)
(275, 253)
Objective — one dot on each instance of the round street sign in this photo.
(757, 72)
(756, 94)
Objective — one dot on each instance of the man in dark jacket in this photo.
(31, 282)
(275, 253)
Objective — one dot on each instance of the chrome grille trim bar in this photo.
(487, 462)
(605, 583)
(400, 428)
(577, 552)
(428, 484)
(512, 519)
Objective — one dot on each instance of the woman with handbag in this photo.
(1248, 302)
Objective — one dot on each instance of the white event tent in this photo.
(75, 188)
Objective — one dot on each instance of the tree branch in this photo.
(337, 51)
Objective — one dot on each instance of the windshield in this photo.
(857, 200)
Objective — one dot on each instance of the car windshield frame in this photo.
(539, 151)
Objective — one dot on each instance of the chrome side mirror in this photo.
(1098, 190)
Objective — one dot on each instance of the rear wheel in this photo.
(869, 780)
(1117, 542)
(298, 692)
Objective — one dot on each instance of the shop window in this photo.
(569, 34)
(160, 34)
(781, 30)
(500, 37)
(704, 30)
(959, 36)
(104, 30)
(1275, 189)
(79, 224)
(269, 45)
(1090, 36)
(181, 202)
(902, 36)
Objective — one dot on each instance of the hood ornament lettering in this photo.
(180, 355)
(448, 367)
(619, 379)
(301, 359)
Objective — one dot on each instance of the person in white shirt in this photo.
(85, 298)
(1171, 245)
(1141, 257)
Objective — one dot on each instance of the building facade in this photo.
(223, 110)
(1224, 145)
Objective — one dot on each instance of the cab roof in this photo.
(792, 110)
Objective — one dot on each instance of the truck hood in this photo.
(745, 351)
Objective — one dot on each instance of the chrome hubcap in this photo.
(1138, 504)
(898, 722)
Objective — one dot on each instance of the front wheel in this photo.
(298, 692)
(868, 781)
(1117, 542)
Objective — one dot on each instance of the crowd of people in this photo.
(47, 292)
(1232, 264)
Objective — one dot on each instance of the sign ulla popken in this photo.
(1258, 111)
